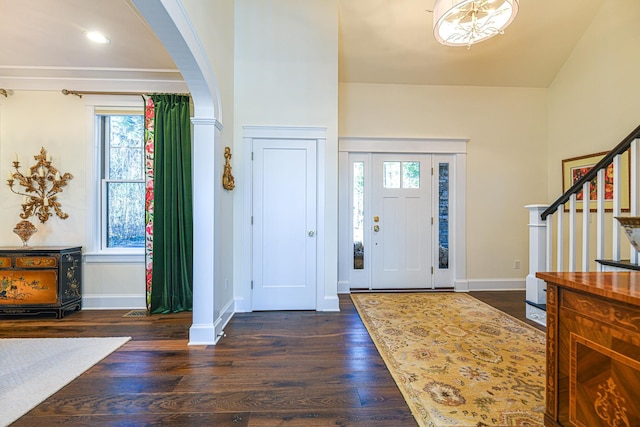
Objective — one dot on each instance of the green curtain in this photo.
(172, 276)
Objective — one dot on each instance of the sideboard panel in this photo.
(40, 280)
(593, 349)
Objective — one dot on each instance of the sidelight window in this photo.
(443, 215)
(358, 215)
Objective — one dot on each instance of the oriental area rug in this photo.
(457, 360)
(32, 369)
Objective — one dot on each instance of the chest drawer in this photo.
(36, 262)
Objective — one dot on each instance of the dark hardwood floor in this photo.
(272, 369)
(511, 302)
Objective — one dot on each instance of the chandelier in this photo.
(465, 22)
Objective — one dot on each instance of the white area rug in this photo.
(32, 369)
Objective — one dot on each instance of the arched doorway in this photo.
(169, 21)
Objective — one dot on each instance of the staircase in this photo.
(579, 232)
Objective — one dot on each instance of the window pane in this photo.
(125, 215)
(410, 174)
(126, 153)
(358, 215)
(443, 215)
(391, 173)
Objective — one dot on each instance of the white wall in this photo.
(286, 74)
(30, 120)
(594, 99)
(506, 158)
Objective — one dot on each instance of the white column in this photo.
(537, 254)
(206, 134)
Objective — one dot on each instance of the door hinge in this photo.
(251, 219)
(431, 271)
(431, 220)
(431, 171)
(252, 155)
(252, 284)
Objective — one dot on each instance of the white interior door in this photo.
(284, 225)
(401, 215)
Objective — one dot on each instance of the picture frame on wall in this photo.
(576, 167)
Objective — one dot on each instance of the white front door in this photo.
(284, 224)
(401, 216)
(401, 221)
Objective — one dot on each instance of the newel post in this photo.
(537, 254)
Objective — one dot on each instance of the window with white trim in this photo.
(120, 137)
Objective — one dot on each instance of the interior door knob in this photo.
(376, 228)
(312, 233)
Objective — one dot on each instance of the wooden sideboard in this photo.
(593, 349)
(40, 280)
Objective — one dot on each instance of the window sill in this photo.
(119, 257)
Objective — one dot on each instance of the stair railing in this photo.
(570, 196)
(541, 222)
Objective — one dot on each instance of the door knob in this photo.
(376, 228)
(311, 233)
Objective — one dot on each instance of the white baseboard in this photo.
(242, 305)
(497, 284)
(330, 303)
(461, 285)
(210, 333)
(204, 334)
(226, 314)
(343, 287)
(114, 302)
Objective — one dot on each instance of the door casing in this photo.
(326, 295)
(456, 147)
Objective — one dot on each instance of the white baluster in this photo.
(549, 260)
(633, 189)
(560, 234)
(572, 233)
(615, 232)
(600, 217)
(586, 216)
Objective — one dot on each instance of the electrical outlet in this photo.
(516, 264)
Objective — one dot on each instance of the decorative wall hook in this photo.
(227, 178)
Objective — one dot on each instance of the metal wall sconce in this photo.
(228, 182)
(41, 185)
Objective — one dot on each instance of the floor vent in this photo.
(136, 313)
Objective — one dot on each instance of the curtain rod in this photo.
(79, 93)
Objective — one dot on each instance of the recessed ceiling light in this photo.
(97, 37)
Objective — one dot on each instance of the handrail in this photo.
(593, 172)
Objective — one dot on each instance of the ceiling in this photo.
(380, 41)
